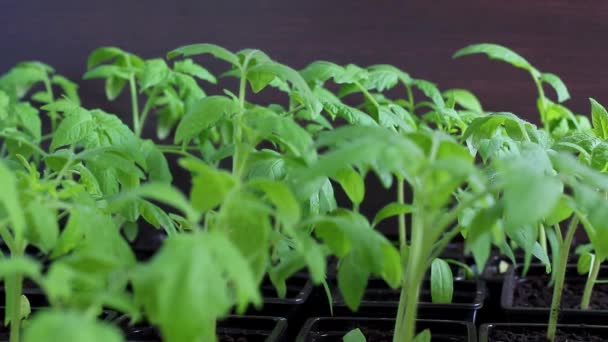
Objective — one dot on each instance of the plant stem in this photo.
(560, 276)
(49, 89)
(542, 98)
(370, 98)
(134, 100)
(405, 325)
(145, 111)
(410, 98)
(591, 279)
(16, 309)
(401, 223)
(238, 152)
(15, 314)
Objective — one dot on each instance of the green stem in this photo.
(238, 148)
(560, 277)
(405, 325)
(15, 314)
(145, 111)
(543, 239)
(15, 330)
(410, 97)
(542, 98)
(370, 98)
(401, 223)
(134, 100)
(595, 270)
(49, 90)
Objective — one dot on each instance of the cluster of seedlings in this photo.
(77, 184)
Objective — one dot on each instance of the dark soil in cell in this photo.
(534, 292)
(236, 338)
(535, 335)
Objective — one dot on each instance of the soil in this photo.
(534, 292)
(226, 338)
(534, 335)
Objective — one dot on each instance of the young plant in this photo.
(435, 166)
(556, 118)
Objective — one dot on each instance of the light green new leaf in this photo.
(103, 54)
(210, 186)
(187, 66)
(584, 263)
(70, 89)
(72, 129)
(155, 72)
(43, 230)
(69, 326)
(599, 118)
(352, 183)
(464, 99)
(529, 175)
(203, 114)
(391, 210)
(558, 85)
(163, 193)
(198, 49)
(281, 197)
(319, 72)
(495, 51)
(424, 336)
(354, 336)
(9, 199)
(442, 282)
(352, 281)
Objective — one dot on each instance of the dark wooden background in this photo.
(560, 36)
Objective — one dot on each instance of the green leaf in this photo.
(209, 186)
(352, 183)
(72, 234)
(599, 118)
(442, 282)
(464, 99)
(352, 280)
(9, 199)
(495, 51)
(203, 114)
(354, 335)
(156, 216)
(43, 230)
(163, 193)
(479, 234)
(319, 72)
(187, 66)
(198, 49)
(70, 89)
(103, 54)
(584, 263)
(287, 74)
(424, 336)
(157, 165)
(431, 91)
(265, 124)
(281, 197)
(155, 72)
(390, 210)
(558, 85)
(529, 173)
(72, 129)
(201, 267)
(69, 326)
